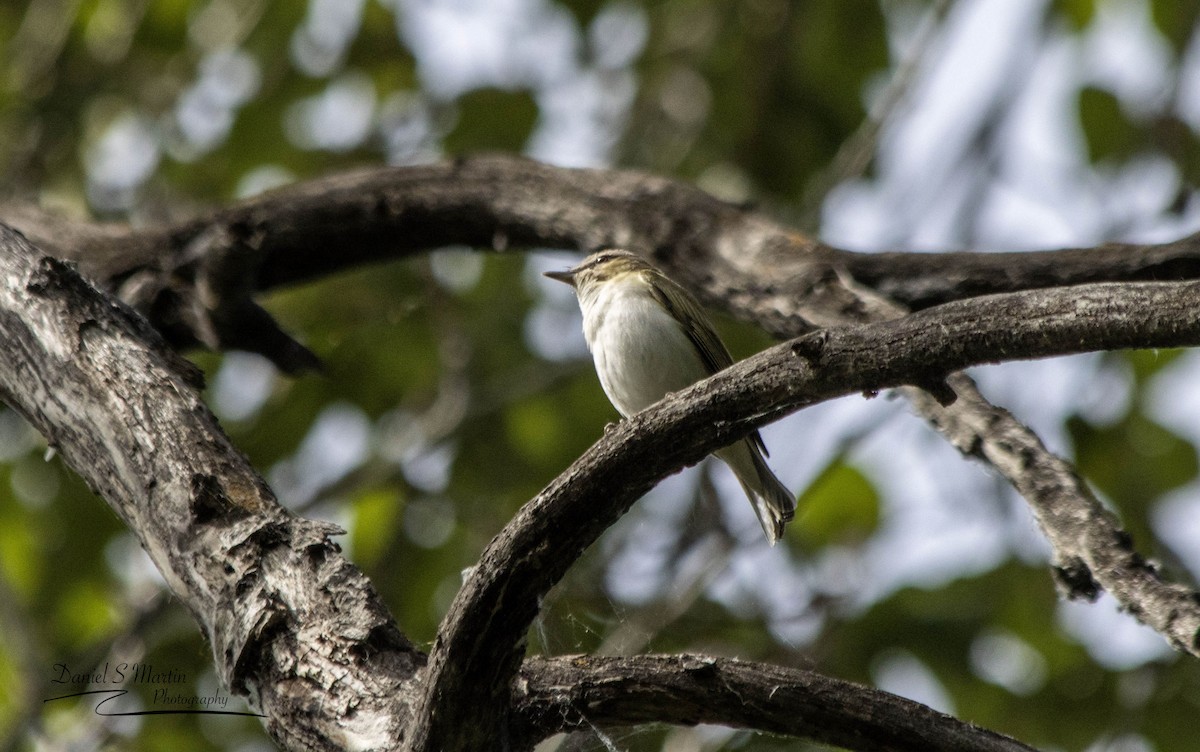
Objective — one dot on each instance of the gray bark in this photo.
(289, 619)
(294, 627)
(480, 641)
(266, 586)
(588, 691)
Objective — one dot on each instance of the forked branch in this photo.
(202, 272)
(480, 642)
(294, 627)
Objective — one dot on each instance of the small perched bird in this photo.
(649, 336)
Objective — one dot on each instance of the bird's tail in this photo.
(772, 501)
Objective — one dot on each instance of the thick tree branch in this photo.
(736, 258)
(501, 201)
(284, 611)
(733, 256)
(480, 642)
(294, 627)
(580, 692)
(919, 280)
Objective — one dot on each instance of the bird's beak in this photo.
(568, 276)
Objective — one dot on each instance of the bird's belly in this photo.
(641, 354)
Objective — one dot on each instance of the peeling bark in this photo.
(299, 631)
(294, 627)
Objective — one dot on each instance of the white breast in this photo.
(641, 352)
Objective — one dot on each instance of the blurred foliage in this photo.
(1078, 12)
(452, 401)
(1176, 20)
(1110, 133)
(839, 506)
(493, 120)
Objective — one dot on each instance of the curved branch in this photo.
(294, 627)
(285, 613)
(480, 642)
(736, 258)
(503, 201)
(579, 692)
(919, 280)
(731, 255)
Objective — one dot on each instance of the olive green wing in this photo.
(684, 308)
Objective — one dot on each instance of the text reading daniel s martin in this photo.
(168, 695)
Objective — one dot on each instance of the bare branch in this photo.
(502, 202)
(733, 256)
(579, 692)
(736, 258)
(284, 611)
(480, 642)
(294, 627)
(919, 280)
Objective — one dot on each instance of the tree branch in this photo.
(503, 201)
(283, 610)
(919, 280)
(294, 627)
(480, 642)
(731, 255)
(580, 692)
(735, 257)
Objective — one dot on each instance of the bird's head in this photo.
(600, 267)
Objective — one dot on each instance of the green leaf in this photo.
(1177, 20)
(1079, 12)
(1134, 462)
(584, 10)
(536, 429)
(1146, 363)
(839, 506)
(375, 513)
(20, 564)
(492, 120)
(1109, 133)
(86, 613)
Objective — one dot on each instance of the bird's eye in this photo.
(598, 259)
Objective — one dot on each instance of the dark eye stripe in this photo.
(600, 258)
(596, 260)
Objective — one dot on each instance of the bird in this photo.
(648, 336)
